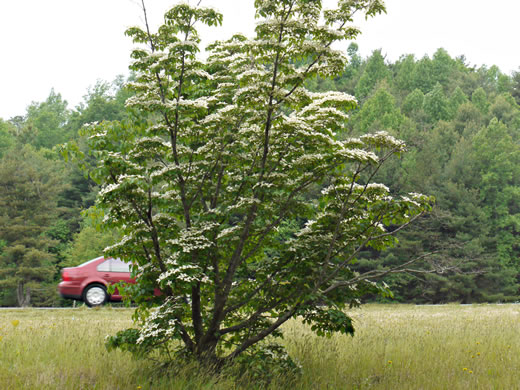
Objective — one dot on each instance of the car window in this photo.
(117, 265)
(104, 266)
(90, 261)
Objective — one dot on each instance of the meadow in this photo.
(395, 347)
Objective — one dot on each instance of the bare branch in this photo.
(377, 274)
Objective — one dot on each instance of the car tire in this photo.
(95, 295)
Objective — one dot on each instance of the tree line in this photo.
(43, 201)
(461, 125)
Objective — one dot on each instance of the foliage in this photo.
(442, 107)
(103, 101)
(379, 111)
(261, 365)
(6, 137)
(453, 156)
(450, 111)
(87, 244)
(374, 72)
(436, 104)
(44, 125)
(232, 191)
(29, 185)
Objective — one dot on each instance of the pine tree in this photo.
(30, 184)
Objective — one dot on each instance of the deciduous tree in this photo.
(234, 194)
(44, 124)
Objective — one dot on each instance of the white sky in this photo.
(69, 44)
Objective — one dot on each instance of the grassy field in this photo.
(395, 347)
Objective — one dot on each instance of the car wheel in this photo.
(95, 295)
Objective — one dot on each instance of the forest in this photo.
(461, 125)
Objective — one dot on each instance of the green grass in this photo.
(395, 347)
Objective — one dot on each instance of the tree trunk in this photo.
(23, 295)
(207, 356)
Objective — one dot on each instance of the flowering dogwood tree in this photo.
(232, 191)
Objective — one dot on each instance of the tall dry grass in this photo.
(395, 347)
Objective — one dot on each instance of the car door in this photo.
(119, 271)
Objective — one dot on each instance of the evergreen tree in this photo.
(499, 164)
(479, 99)
(405, 67)
(374, 71)
(457, 98)
(6, 136)
(436, 105)
(413, 103)
(505, 109)
(423, 75)
(378, 112)
(443, 67)
(515, 86)
(504, 84)
(28, 204)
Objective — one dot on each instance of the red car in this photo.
(88, 281)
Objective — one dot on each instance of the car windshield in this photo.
(90, 261)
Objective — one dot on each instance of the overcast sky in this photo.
(69, 44)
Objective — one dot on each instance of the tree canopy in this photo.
(233, 191)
